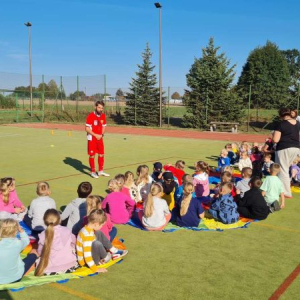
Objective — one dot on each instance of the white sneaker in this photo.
(94, 175)
(101, 173)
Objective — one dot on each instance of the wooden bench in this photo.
(228, 126)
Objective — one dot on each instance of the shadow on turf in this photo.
(4, 295)
(213, 157)
(77, 165)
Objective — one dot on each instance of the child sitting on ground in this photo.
(224, 208)
(169, 187)
(223, 160)
(56, 247)
(92, 245)
(157, 172)
(177, 170)
(255, 155)
(76, 210)
(272, 188)
(130, 185)
(189, 210)
(245, 147)
(231, 155)
(244, 161)
(95, 202)
(200, 180)
(143, 182)
(179, 191)
(226, 177)
(117, 204)
(267, 164)
(12, 267)
(10, 204)
(295, 171)
(243, 185)
(35, 217)
(156, 213)
(121, 182)
(253, 204)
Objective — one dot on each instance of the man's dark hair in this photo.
(99, 102)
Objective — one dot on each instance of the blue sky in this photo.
(89, 37)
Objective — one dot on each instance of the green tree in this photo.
(176, 96)
(211, 96)
(53, 90)
(142, 107)
(268, 73)
(81, 95)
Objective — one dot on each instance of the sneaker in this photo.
(119, 254)
(106, 259)
(101, 173)
(94, 175)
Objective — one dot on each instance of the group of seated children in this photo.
(59, 250)
(168, 192)
(257, 157)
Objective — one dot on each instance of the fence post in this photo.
(17, 108)
(43, 98)
(168, 106)
(61, 97)
(77, 96)
(104, 89)
(135, 95)
(249, 102)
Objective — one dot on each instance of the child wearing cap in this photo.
(169, 186)
(157, 173)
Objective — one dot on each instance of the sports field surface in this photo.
(260, 262)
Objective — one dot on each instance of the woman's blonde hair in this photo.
(143, 173)
(43, 189)
(156, 188)
(188, 189)
(92, 202)
(5, 184)
(51, 219)
(113, 183)
(8, 228)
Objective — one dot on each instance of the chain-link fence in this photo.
(71, 98)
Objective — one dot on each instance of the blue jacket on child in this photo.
(224, 209)
(223, 162)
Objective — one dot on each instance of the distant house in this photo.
(175, 101)
(109, 98)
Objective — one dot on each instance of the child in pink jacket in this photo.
(10, 204)
(119, 205)
(200, 179)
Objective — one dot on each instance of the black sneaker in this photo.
(275, 205)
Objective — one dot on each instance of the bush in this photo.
(6, 102)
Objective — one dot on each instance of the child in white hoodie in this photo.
(76, 210)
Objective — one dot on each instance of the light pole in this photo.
(28, 25)
(158, 5)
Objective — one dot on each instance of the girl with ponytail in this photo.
(56, 247)
(156, 213)
(190, 210)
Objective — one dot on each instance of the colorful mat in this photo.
(205, 225)
(31, 280)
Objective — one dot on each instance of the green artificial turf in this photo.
(234, 264)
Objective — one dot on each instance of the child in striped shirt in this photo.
(93, 247)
